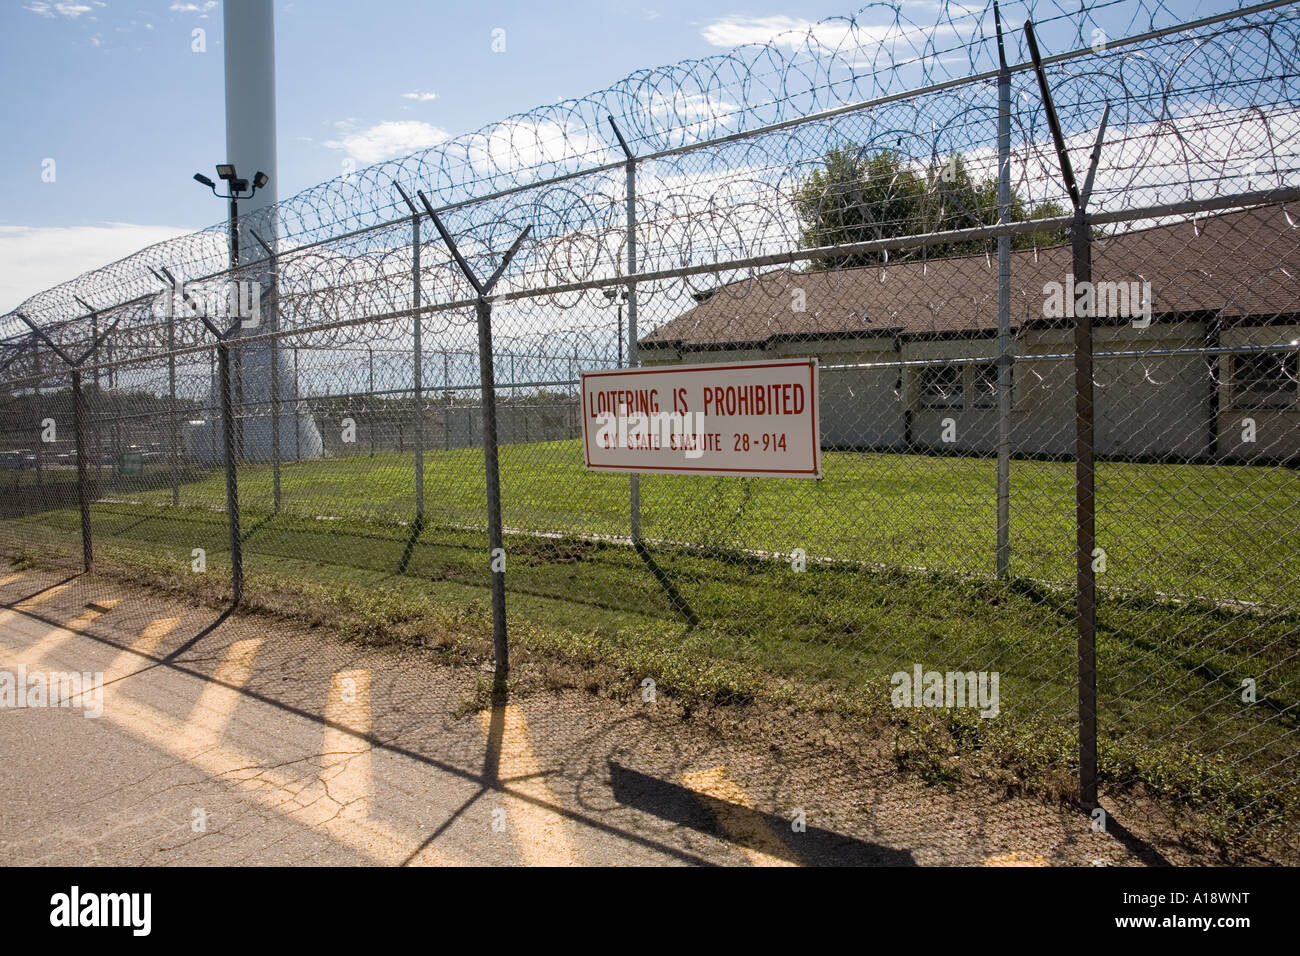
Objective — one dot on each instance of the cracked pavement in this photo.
(237, 740)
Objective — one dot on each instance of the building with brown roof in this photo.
(908, 348)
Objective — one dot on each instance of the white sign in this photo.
(741, 418)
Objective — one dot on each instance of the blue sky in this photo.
(113, 93)
(112, 96)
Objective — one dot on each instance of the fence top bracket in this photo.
(484, 289)
(407, 199)
(95, 343)
(219, 335)
(627, 150)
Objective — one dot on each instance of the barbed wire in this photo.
(730, 141)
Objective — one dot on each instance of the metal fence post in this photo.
(370, 398)
(232, 486)
(1005, 360)
(78, 420)
(174, 430)
(99, 438)
(446, 408)
(297, 431)
(224, 337)
(117, 418)
(419, 369)
(275, 424)
(1085, 502)
(237, 422)
(36, 391)
(418, 359)
(491, 462)
(83, 479)
(214, 386)
(1085, 516)
(634, 480)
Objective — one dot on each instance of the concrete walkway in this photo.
(238, 740)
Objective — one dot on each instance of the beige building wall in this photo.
(860, 407)
(971, 420)
(1042, 393)
(1149, 406)
(1145, 406)
(1153, 405)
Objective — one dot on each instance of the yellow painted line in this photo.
(540, 834)
(216, 704)
(345, 758)
(129, 661)
(11, 579)
(150, 638)
(1016, 859)
(42, 596)
(35, 601)
(58, 636)
(279, 791)
(735, 813)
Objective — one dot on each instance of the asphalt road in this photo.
(237, 740)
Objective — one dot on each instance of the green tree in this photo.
(856, 197)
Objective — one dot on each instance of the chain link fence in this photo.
(1024, 477)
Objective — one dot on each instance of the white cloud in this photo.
(692, 114)
(735, 31)
(797, 34)
(421, 97)
(69, 11)
(387, 140)
(521, 144)
(201, 9)
(37, 258)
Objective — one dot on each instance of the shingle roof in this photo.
(1238, 264)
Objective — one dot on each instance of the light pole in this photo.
(236, 187)
(226, 172)
(621, 295)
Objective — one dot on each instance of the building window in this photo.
(984, 385)
(1264, 381)
(939, 386)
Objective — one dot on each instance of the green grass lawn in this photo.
(1221, 532)
(912, 542)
